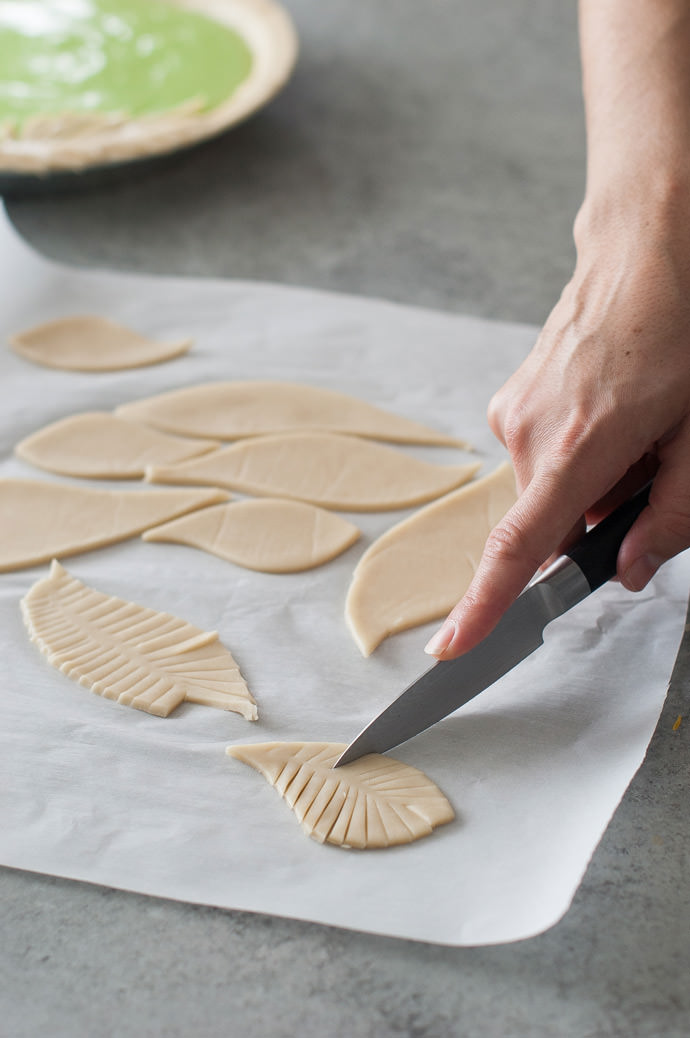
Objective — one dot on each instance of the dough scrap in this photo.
(40, 521)
(374, 802)
(90, 343)
(326, 469)
(233, 410)
(419, 569)
(271, 535)
(142, 658)
(99, 445)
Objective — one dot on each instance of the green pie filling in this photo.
(133, 56)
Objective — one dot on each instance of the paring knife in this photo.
(449, 684)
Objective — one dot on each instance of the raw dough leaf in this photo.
(271, 535)
(92, 343)
(39, 521)
(145, 659)
(421, 567)
(232, 410)
(374, 802)
(326, 469)
(99, 445)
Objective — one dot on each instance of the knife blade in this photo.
(449, 684)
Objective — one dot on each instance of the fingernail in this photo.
(442, 639)
(641, 571)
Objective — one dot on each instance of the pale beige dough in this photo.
(99, 445)
(232, 410)
(374, 802)
(89, 343)
(40, 521)
(142, 658)
(270, 535)
(420, 568)
(327, 469)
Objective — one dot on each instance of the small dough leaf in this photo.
(233, 410)
(92, 343)
(420, 568)
(326, 469)
(142, 658)
(39, 521)
(99, 445)
(374, 802)
(270, 535)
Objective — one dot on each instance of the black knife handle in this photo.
(596, 553)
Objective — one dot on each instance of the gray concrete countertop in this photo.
(433, 154)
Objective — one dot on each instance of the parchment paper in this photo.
(534, 767)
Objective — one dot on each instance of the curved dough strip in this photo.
(232, 410)
(420, 568)
(99, 445)
(270, 535)
(374, 802)
(142, 658)
(39, 521)
(89, 343)
(325, 469)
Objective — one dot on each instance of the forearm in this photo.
(636, 83)
(602, 402)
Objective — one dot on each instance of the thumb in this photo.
(663, 528)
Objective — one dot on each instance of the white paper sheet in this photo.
(534, 767)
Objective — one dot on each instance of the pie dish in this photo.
(87, 84)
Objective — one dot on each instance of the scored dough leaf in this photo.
(270, 535)
(142, 658)
(374, 802)
(233, 410)
(326, 469)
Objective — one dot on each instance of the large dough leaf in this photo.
(326, 469)
(419, 569)
(40, 521)
(232, 410)
(374, 802)
(99, 445)
(149, 660)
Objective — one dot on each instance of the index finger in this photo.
(530, 532)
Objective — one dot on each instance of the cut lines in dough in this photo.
(271, 535)
(326, 469)
(374, 802)
(142, 658)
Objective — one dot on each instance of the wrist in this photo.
(644, 203)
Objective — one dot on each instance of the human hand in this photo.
(600, 405)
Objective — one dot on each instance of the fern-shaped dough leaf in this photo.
(372, 803)
(142, 658)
